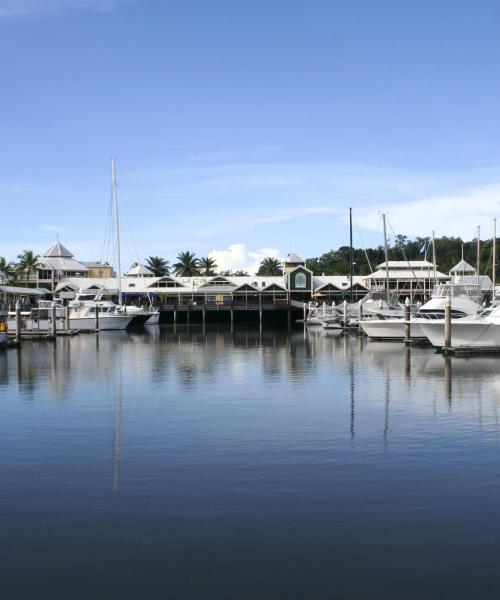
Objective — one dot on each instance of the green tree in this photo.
(207, 265)
(240, 273)
(270, 266)
(28, 262)
(158, 265)
(7, 270)
(186, 265)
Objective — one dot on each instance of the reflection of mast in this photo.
(386, 411)
(447, 380)
(118, 432)
(351, 373)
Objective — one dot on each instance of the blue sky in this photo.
(243, 127)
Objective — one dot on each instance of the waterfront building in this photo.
(407, 278)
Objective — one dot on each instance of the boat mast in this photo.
(478, 258)
(350, 250)
(494, 260)
(117, 225)
(387, 289)
(434, 258)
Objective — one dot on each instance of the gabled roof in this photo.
(272, 287)
(175, 283)
(246, 287)
(57, 250)
(463, 267)
(293, 258)
(217, 281)
(139, 270)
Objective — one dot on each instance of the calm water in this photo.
(219, 465)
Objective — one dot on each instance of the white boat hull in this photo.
(466, 334)
(81, 324)
(391, 329)
(154, 319)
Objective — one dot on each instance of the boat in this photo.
(465, 301)
(316, 314)
(82, 313)
(481, 330)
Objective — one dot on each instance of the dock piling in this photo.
(18, 321)
(407, 322)
(53, 320)
(447, 325)
(97, 319)
(66, 317)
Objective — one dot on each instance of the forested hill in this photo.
(448, 254)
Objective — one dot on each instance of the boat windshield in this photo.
(452, 290)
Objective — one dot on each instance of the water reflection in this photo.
(164, 449)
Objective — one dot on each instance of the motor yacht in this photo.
(465, 300)
(481, 330)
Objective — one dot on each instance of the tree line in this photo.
(449, 251)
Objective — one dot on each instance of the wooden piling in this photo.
(53, 319)
(407, 322)
(97, 319)
(447, 325)
(18, 322)
(66, 317)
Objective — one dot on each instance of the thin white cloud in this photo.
(238, 257)
(23, 8)
(452, 215)
(55, 229)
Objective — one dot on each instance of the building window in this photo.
(300, 281)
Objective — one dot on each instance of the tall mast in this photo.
(117, 226)
(478, 258)
(387, 289)
(434, 258)
(494, 260)
(350, 250)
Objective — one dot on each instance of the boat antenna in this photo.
(350, 252)
(117, 224)
(386, 251)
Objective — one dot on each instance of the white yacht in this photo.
(481, 330)
(465, 300)
(82, 312)
(316, 314)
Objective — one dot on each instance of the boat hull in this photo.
(391, 329)
(81, 324)
(469, 334)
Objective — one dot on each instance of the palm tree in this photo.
(270, 266)
(187, 265)
(7, 270)
(240, 273)
(28, 261)
(158, 265)
(207, 265)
